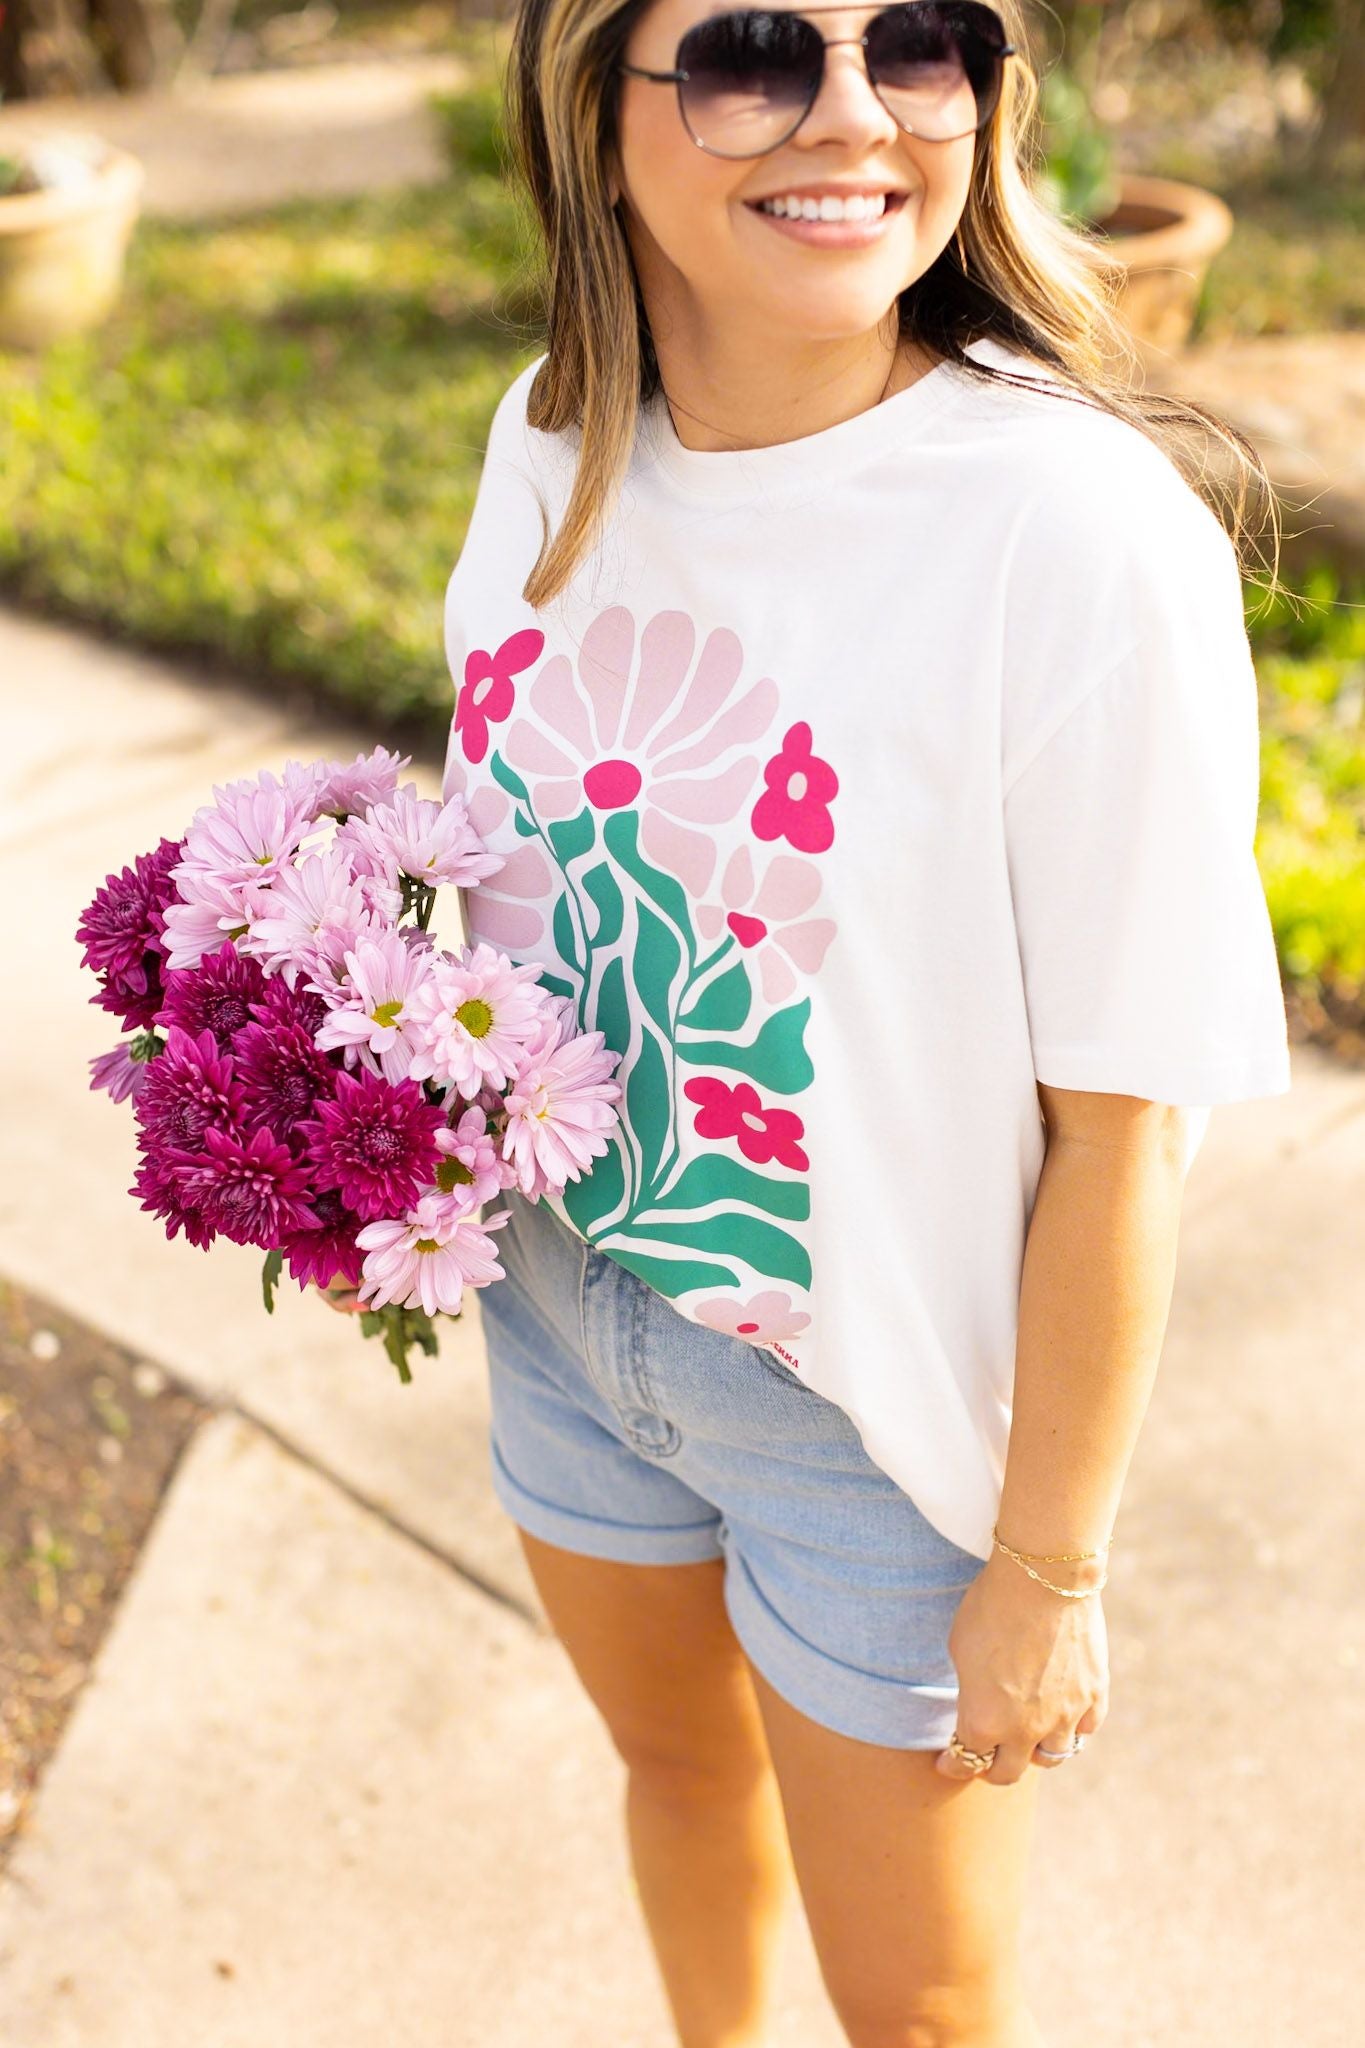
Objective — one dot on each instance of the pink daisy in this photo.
(560, 1109)
(474, 1018)
(468, 1171)
(432, 843)
(356, 785)
(427, 1260)
(371, 1015)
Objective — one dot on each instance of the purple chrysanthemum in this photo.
(158, 1187)
(251, 1190)
(121, 932)
(283, 1075)
(280, 1004)
(330, 1252)
(189, 1090)
(215, 996)
(376, 1142)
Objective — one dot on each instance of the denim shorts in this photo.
(621, 1429)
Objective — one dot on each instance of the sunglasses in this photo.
(746, 81)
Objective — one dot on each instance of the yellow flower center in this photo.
(427, 1244)
(476, 1017)
(387, 1013)
(452, 1174)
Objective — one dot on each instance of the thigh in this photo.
(655, 1651)
(912, 1883)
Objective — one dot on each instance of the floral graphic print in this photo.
(622, 776)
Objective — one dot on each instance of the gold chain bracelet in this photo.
(1068, 1557)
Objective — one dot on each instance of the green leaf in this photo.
(526, 827)
(511, 782)
(270, 1278)
(658, 957)
(566, 943)
(612, 1016)
(647, 1107)
(599, 884)
(620, 833)
(571, 837)
(715, 1178)
(763, 1246)
(671, 1276)
(776, 1058)
(723, 1004)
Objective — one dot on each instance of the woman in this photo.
(859, 696)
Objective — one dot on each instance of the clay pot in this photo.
(1162, 236)
(62, 248)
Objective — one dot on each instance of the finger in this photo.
(1011, 1761)
(952, 1766)
(1060, 1742)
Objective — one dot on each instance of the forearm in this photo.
(1095, 1294)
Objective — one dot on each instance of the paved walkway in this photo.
(332, 1780)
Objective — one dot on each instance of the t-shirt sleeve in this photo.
(1148, 958)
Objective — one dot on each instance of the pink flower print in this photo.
(488, 692)
(646, 720)
(502, 910)
(763, 1134)
(768, 917)
(795, 804)
(759, 1320)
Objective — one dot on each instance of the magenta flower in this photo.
(763, 1134)
(560, 1107)
(119, 1072)
(121, 931)
(283, 1072)
(215, 996)
(795, 804)
(355, 785)
(759, 1320)
(488, 691)
(468, 1169)
(474, 1018)
(375, 1142)
(371, 1015)
(433, 843)
(427, 1260)
(190, 1089)
(330, 1252)
(157, 1184)
(251, 1190)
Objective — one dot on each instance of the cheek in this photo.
(679, 193)
(944, 172)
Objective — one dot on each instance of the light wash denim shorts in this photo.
(621, 1429)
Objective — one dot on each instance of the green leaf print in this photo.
(776, 1058)
(565, 943)
(571, 837)
(599, 886)
(766, 1248)
(714, 1178)
(647, 1106)
(723, 1004)
(620, 832)
(508, 778)
(599, 1190)
(658, 956)
(670, 1276)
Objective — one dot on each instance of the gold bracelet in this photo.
(1056, 1557)
(1067, 1592)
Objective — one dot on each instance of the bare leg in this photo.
(655, 1651)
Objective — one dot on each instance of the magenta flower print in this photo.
(795, 804)
(761, 1319)
(762, 1134)
(488, 691)
(768, 915)
(651, 723)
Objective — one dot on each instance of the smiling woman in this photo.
(858, 697)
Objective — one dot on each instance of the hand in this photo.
(341, 1296)
(1032, 1667)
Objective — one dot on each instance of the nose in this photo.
(846, 105)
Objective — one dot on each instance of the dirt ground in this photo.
(89, 1438)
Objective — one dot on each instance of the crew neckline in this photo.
(737, 473)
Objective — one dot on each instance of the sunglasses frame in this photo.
(679, 77)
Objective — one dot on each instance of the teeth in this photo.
(857, 206)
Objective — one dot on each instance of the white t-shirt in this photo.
(855, 785)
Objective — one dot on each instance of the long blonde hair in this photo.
(1014, 272)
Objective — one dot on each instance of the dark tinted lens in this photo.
(750, 78)
(937, 65)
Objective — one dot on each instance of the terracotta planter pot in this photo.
(1162, 236)
(62, 251)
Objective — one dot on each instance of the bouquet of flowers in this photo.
(312, 1075)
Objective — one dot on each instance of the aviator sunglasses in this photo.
(747, 80)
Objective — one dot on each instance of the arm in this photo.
(1098, 1272)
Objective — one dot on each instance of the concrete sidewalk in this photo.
(332, 1780)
